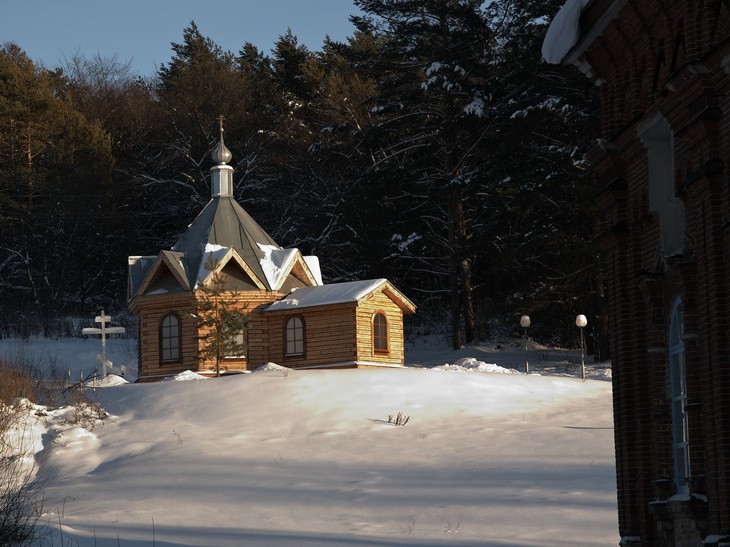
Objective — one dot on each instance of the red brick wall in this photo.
(669, 59)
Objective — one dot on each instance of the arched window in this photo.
(380, 333)
(170, 338)
(294, 336)
(678, 393)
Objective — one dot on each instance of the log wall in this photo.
(329, 336)
(340, 333)
(366, 309)
(153, 308)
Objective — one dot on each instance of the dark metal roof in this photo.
(138, 267)
(224, 222)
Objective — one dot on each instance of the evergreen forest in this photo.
(433, 147)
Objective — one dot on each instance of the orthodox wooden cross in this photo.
(104, 330)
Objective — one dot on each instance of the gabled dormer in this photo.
(162, 274)
(227, 263)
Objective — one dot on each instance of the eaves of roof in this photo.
(589, 35)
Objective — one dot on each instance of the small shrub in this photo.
(399, 419)
(86, 411)
(21, 500)
(17, 381)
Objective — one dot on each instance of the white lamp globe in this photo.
(581, 321)
(525, 321)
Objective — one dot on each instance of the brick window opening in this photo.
(659, 142)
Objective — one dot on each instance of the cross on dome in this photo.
(220, 154)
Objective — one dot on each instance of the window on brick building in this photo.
(659, 142)
(678, 393)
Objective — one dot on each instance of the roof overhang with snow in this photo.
(278, 263)
(350, 292)
(215, 258)
(565, 41)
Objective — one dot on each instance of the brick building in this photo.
(662, 68)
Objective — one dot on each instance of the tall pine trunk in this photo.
(464, 265)
(469, 320)
(456, 336)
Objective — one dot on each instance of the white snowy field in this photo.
(281, 457)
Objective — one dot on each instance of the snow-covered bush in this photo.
(20, 484)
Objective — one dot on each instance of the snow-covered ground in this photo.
(77, 357)
(281, 457)
(73, 357)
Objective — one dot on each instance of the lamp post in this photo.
(524, 323)
(581, 322)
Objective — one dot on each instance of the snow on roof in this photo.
(223, 222)
(313, 264)
(275, 262)
(564, 32)
(323, 295)
(212, 255)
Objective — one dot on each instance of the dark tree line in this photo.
(433, 147)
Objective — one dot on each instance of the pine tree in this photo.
(435, 87)
(55, 184)
(221, 320)
(536, 250)
(289, 60)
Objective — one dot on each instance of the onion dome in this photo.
(221, 175)
(220, 154)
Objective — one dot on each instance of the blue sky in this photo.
(141, 31)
